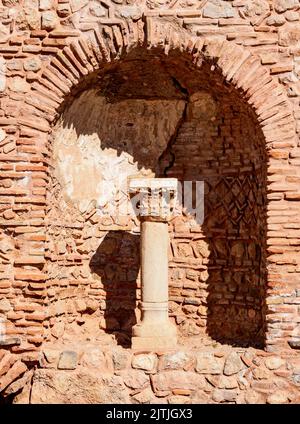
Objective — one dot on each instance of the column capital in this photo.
(157, 197)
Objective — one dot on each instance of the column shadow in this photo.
(117, 263)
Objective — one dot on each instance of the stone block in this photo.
(146, 362)
(135, 379)
(171, 380)
(120, 358)
(68, 360)
(57, 387)
(175, 361)
(216, 9)
(207, 363)
(221, 395)
(278, 397)
(274, 362)
(49, 20)
(233, 364)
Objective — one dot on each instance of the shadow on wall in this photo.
(221, 143)
(117, 263)
(235, 231)
(235, 289)
(228, 250)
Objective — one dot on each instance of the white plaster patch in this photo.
(24, 182)
(2, 134)
(98, 145)
(2, 329)
(2, 74)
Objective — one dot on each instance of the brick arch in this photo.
(238, 66)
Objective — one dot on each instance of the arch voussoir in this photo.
(238, 66)
(79, 52)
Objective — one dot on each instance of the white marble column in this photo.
(155, 331)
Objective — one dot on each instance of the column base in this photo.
(155, 336)
(153, 343)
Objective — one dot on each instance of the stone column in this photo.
(157, 201)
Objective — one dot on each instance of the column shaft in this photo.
(155, 331)
(154, 267)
